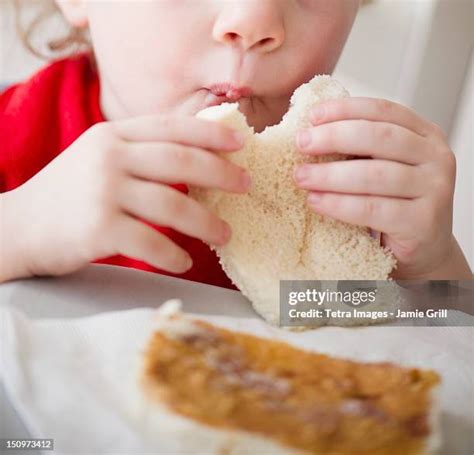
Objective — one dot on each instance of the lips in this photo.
(225, 93)
(230, 91)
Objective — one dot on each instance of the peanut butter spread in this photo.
(300, 399)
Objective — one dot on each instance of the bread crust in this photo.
(223, 405)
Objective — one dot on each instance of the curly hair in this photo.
(72, 41)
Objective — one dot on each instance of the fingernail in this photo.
(315, 198)
(303, 139)
(239, 139)
(246, 180)
(188, 262)
(374, 234)
(301, 173)
(317, 114)
(226, 232)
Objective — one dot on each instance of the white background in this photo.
(418, 52)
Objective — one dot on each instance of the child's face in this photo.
(162, 56)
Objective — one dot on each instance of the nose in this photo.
(251, 25)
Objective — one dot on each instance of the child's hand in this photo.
(84, 205)
(405, 191)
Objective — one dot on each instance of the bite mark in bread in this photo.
(275, 235)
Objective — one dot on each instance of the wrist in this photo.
(13, 239)
(453, 265)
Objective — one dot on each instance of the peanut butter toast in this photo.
(304, 401)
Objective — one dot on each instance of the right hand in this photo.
(85, 204)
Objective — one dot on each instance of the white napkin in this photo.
(69, 379)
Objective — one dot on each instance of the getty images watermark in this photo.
(345, 303)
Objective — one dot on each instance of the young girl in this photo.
(97, 149)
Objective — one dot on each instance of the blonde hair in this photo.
(72, 41)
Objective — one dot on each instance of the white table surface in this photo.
(100, 288)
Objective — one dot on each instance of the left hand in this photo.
(405, 191)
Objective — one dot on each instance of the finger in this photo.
(184, 130)
(165, 206)
(137, 240)
(174, 163)
(376, 177)
(383, 214)
(373, 109)
(365, 138)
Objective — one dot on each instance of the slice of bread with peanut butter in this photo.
(275, 235)
(218, 391)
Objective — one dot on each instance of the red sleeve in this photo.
(41, 116)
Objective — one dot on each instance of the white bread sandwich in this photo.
(275, 235)
(215, 391)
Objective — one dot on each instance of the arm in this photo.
(455, 267)
(13, 245)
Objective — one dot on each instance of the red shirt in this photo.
(42, 116)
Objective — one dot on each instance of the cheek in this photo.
(141, 51)
(324, 36)
(140, 36)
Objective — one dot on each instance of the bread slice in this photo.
(275, 235)
(238, 393)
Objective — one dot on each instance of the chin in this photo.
(260, 114)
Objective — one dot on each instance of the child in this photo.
(94, 162)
